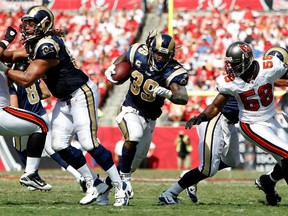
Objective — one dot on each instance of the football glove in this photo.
(21, 64)
(196, 120)
(162, 92)
(109, 72)
(9, 37)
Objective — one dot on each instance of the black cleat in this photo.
(272, 197)
(33, 180)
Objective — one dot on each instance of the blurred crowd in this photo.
(95, 39)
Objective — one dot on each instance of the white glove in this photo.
(109, 72)
(162, 92)
(3, 67)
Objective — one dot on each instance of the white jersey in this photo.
(255, 99)
(4, 91)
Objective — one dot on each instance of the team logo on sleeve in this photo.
(184, 81)
(47, 49)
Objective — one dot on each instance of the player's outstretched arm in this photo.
(210, 111)
(177, 94)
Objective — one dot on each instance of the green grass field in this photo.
(227, 193)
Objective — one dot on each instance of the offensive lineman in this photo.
(76, 107)
(30, 99)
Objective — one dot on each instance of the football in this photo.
(123, 71)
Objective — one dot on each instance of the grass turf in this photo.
(227, 193)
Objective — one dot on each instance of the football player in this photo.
(76, 107)
(251, 83)
(155, 76)
(220, 136)
(218, 147)
(19, 122)
(30, 99)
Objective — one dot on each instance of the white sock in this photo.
(88, 174)
(74, 172)
(32, 165)
(113, 174)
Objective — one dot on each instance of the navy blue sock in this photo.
(190, 178)
(119, 164)
(108, 182)
(23, 156)
(55, 156)
(126, 160)
(103, 157)
(73, 157)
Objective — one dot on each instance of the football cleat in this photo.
(103, 199)
(191, 193)
(121, 194)
(168, 198)
(127, 179)
(272, 197)
(33, 180)
(93, 192)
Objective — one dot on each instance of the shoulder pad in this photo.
(137, 47)
(179, 76)
(46, 48)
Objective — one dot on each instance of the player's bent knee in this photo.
(102, 156)
(73, 157)
(130, 145)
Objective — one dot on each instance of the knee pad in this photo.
(102, 156)
(73, 157)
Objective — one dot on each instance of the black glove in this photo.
(9, 37)
(21, 64)
(10, 34)
(196, 120)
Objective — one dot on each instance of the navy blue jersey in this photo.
(64, 78)
(231, 110)
(29, 98)
(143, 80)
